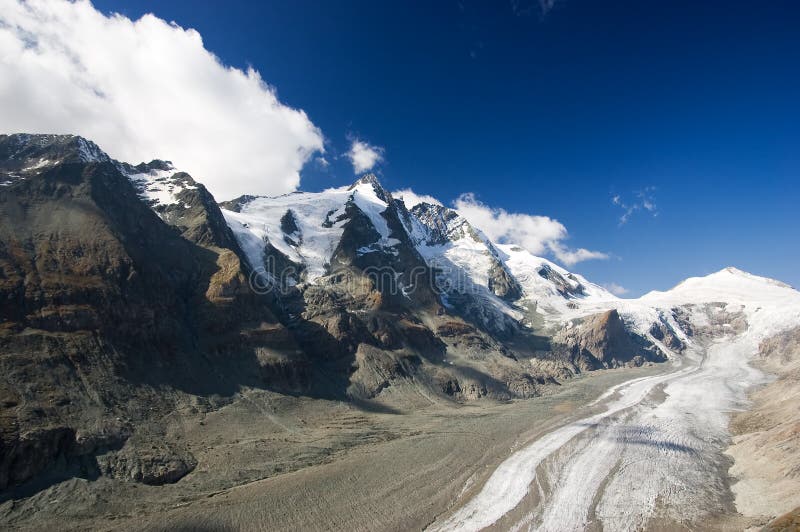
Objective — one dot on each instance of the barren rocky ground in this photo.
(766, 445)
(269, 462)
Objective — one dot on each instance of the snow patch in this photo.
(158, 187)
(320, 220)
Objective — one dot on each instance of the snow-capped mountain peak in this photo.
(371, 180)
(495, 285)
(158, 182)
(442, 224)
(725, 285)
(318, 222)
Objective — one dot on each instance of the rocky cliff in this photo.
(110, 316)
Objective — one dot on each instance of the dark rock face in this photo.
(566, 287)
(235, 205)
(502, 283)
(289, 227)
(362, 320)
(153, 466)
(102, 302)
(195, 213)
(664, 333)
(27, 455)
(400, 275)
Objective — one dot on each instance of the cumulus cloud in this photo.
(411, 198)
(615, 289)
(537, 234)
(148, 89)
(573, 256)
(643, 200)
(364, 156)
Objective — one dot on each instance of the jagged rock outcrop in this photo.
(662, 332)
(566, 286)
(444, 224)
(502, 283)
(148, 464)
(602, 341)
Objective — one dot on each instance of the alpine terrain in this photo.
(345, 359)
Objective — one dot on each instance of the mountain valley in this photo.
(348, 359)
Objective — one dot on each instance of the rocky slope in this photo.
(111, 317)
(766, 445)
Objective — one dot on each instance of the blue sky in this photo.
(691, 106)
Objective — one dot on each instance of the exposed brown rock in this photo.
(601, 340)
(789, 522)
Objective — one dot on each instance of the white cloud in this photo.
(537, 234)
(364, 156)
(573, 256)
(615, 289)
(411, 198)
(644, 200)
(148, 89)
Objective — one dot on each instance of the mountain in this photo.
(110, 316)
(128, 293)
(478, 297)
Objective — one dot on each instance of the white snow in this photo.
(158, 187)
(370, 204)
(511, 481)
(769, 305)
(40, 163)
(315, 214)
(463, 264)
(525, 267)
